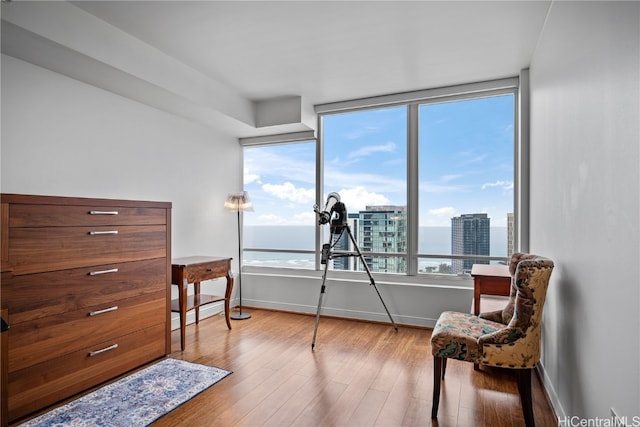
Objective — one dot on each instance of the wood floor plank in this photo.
(367, 411)
(270, 405)
(359, 374)
(316, 413)
(293, 407)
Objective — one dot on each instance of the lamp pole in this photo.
(240, 315)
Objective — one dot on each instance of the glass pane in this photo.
(365, 163)
(279, 259)
(280, 180)
(466, 181)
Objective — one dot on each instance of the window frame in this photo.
(517, 86)
(413, 101)
(271, 140)
(517, 181)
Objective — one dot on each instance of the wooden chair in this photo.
(508, 338)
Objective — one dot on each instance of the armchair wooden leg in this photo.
(524, 387)
(438, 374)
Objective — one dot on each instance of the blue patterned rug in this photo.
(136, 400)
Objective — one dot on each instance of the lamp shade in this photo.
(238, 202)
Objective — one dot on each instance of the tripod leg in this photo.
(371, 281)
(315, 330)
(384, 305)
(326, 255)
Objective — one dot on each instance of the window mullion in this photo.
(319, 186)
(521, 168)
(412, 190)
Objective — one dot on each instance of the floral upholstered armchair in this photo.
(508, 338)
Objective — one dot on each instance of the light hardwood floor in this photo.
(360, 374)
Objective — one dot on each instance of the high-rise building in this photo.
(383, 229)
(470, 235)
(342, 242)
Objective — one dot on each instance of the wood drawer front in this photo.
(34, 296)
(206, 271)
(40, 340)
(56, 379)
(34, 250)
(25, 215)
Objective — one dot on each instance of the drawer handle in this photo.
(97, 352)
(209, 270)
(106, 310)
(103, 212)
(96, 273)
(99, 233)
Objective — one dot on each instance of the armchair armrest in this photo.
(507, 335)
(494, 316)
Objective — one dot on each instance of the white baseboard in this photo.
(349, 314)
(205, 311)
(554, 401)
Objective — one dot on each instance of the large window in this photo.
(429, 181)
(365, 161)
(466, 182)
(281, 182)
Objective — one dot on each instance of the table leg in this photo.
(476, 307)
(476, 296)
(227, 298)
(182, 300)
(196, 300)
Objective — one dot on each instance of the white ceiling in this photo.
(327, 51)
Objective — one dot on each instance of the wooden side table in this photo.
(196, 269)
(489, 279)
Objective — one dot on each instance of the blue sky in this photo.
(465, 164)
(466, 158)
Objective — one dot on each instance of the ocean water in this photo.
(433, 240)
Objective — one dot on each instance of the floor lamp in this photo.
(239, 202)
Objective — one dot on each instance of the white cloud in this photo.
(362, 131)
(358, 198)
(505, 185)
(337, 177)
(249, 178)
(302, 218)
(446, 211)
(305, 218)
(447, 178)
(389, 147)
(478, 159)
(288, 191)
(271, 166)
(470, 157)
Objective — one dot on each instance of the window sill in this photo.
(422, 280)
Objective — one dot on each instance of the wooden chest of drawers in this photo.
(87, 286)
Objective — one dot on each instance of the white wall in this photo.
(584, 204)
(66, 138)
(416, 300)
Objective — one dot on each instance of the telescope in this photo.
(335, 214)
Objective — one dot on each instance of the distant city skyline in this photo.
(383, 229)
(434, 240)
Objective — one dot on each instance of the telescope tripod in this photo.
(327, 255)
